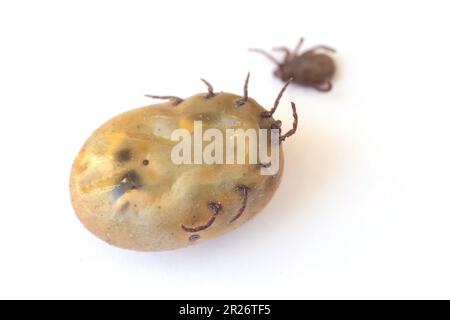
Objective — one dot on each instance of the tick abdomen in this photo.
(312, 69)
(127, 191)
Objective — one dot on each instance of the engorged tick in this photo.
(312, 68)
(127, 188)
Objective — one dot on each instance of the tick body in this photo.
(126, 189)
(312, 68)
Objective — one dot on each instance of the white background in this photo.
(363, 210)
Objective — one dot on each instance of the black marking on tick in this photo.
(175, 100)
(210, 93)
(145, 162)
(244, 99)
(123, 155)
(215, 208)
(129, 181)
(243, 190)
(310, 68)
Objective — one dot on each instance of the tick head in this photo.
(283, 72)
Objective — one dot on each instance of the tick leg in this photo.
(287, 53)
(244, 98)
(266, 54)
(294, 125)
(199, 228)
(268, 114)
(215, 208)
(324, 87)
(298, 46)
(243, 190)
(175, 100)
(210, 93)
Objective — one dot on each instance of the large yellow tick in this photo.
(127, 190)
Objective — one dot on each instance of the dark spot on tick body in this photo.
(145, 162)
(194, 237)
(123, 155)
(129, 181)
